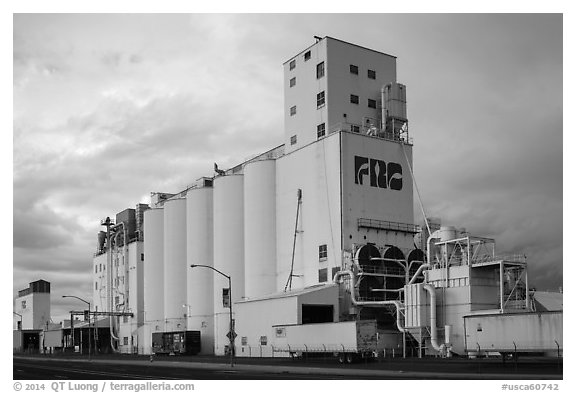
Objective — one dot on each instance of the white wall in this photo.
(315, 170)
(366, 201)
(342, 83)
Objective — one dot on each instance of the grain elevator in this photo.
(318, 230)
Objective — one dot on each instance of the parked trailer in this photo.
(349, 341)
(514, 333)
(176, 343)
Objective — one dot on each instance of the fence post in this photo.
(515, 357)
(272, 346)
(478, 357)
(558, 357)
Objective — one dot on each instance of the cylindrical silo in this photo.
(154, 271)
(175, 264)
(200, 251)
(260, 228)
(228, 250)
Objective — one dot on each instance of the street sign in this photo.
(234, 335)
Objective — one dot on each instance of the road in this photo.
(139, 368)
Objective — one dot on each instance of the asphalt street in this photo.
(139, 368)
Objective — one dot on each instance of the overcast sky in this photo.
(108, 108)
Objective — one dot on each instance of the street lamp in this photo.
(89, 320)
(231, 332)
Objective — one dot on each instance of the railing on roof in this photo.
(370, 223)
(370, 130)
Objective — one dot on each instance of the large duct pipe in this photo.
(433, 330)
(395, 303)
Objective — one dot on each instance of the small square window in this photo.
(335, 270)
(321, 130)
(293, 139)
(322, 252)
(292, 64)
(319, 70)
(354, 99)
(293, 110)
(353, 69)
(323, 275)
(355, 128)
(307, 56)
(320, 100)
(23, 304)
(293, 82)
(371, 74)
(371, 103)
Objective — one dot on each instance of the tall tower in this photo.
(33, 304)
(348, 151)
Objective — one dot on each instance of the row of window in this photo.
(321, 101)
(320, 69)
(323, 274)
(354, 99)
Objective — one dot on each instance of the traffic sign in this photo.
(234, 335)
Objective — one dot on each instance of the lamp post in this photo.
(89, 320)
(231, 332)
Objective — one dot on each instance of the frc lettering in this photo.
(377, 173)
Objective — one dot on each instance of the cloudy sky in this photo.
(108, 108)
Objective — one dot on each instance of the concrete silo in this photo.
(153, 273)
(260, 228)
(175, 267)
(199, 232)
(228, 250)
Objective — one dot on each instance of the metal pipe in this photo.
(420, 269)
(395, 303)
(433, 329)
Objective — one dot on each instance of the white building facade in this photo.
(278, 224)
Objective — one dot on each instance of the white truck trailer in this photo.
(348, 340)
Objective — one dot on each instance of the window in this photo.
(244, 340)
(96, 285)
(335, 270)
(322, 252)
(263, 340)
(292, 64)
(321, 130)
(307, 56)
(319, 70)
(23, 304)
(371, 103)
(125, 318)
(323, 275)
(353, 69)
(320, 100)
(125, 340)
(371, 74)
(354, 99)
(293, 82)
(355, 128)
(293, 110)
(293, 139)
(117, 300)
(142, 257)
